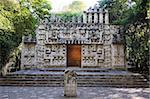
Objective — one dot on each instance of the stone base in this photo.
(70, 91)
(119, 67)
(85, 78)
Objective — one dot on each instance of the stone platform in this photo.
(85, 78)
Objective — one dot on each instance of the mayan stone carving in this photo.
(70, 83)
(101, 43)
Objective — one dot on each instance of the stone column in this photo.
(79, 19)
(90, 18)
(73, 19)
(84, 17)
(47, 36)
(52, 18)
(101, 16)
(95, 17)
(106, 17)
(70, 83)
(22, 53)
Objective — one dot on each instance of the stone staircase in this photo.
(88, 77)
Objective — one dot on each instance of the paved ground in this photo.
(83, 93)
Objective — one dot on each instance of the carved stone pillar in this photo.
(52, 18)
(106, 17)
(101, 16)
(95, 17)
(79, 19)
(22, 53)
(73, 19)
(47, 36)
(90, 18)
(84, 17)
(70, 83)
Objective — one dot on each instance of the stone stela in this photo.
(70, 83)
(88, 41)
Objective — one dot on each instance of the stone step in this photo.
(79, 81)
(31, 82)
(116, 86)
(88, 74)
(34, 85)
(78, 78)
(83, 76)
(79, 85)
(54, 79)
(77, 69)
(50, 74)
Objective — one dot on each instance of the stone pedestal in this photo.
(70, 83)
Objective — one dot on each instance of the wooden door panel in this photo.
(74, 55)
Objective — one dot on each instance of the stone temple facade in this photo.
(87, 41)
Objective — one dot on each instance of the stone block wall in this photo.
(101, 43)
(92, 56)
(28, 56)
(118, 56)
(55, 55)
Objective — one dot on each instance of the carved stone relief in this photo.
(55, 55)
(118, 55)
(28, 57)
(97, 40)
(92, 55)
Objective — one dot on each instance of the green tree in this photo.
(18, 19)
(38, 8)
(72, 10)
(67, 16)
(76, 6)
(7, 10)
(135, 19)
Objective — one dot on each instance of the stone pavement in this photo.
(83, 93)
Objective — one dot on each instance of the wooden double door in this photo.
(73, 55)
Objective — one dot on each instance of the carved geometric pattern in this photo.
(29, 55)
(92, 55)
(55, 54)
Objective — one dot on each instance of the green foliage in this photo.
(38, 8)
(67, 16)
(137, 42)
(75, 7)
(123, 12)
(136, 28)
(137, 36)
(18, 19)
(105, 3)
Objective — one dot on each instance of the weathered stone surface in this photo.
(98, 40)
(70, 83)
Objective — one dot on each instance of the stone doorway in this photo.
(74, 55)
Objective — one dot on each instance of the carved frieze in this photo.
(88, 33)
